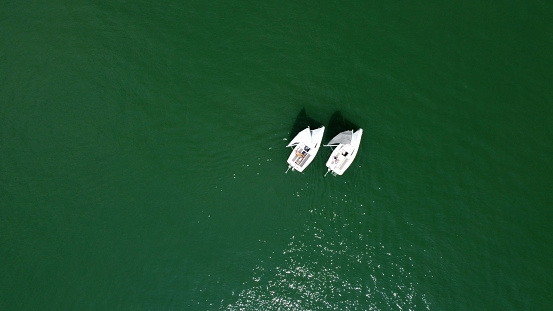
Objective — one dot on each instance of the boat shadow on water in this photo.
(303, 121)
(338, 124)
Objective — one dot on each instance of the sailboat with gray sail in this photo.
(345, 146)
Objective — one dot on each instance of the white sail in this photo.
(356, 138)
(303, 136)
(342, 138)
(317, 134)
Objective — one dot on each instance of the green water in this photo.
(143, 156)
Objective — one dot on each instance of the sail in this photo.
(303, 136)
(342, 138)
(356, 139)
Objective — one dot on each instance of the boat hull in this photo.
(305, 151)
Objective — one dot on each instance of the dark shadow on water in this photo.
(302, 121)
(338, 124)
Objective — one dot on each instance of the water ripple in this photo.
(333, 266)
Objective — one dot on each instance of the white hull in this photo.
(343, 154)
(306, 145)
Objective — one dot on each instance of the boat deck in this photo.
(301, 159)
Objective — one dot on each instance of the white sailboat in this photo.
(306, 144)
(345, 149)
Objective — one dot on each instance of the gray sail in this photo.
(342, 138)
